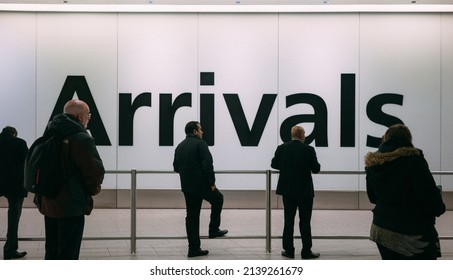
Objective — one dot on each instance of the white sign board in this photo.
(246, 76)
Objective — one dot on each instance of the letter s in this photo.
(375, 114)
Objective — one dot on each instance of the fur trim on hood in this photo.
(379, 158)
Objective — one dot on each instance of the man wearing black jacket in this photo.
(64, 215)
(13, 151)
(296, 161)
(194, 163)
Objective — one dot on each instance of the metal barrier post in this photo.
(268, 211)
(133, 211)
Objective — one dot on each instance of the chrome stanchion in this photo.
(133, 211)
(268, 211)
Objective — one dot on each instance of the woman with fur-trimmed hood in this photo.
(407, 200)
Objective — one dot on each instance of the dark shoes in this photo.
(310, 255)
(305, 256)
(197, 253)
(219, 233)
(15, 255)
(288, 255)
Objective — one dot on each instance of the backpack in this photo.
(44, 171)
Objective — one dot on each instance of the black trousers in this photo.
(14, 212)
(63, 237)
(305, 206)
(194, 201)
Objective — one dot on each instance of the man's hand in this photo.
(213, 187)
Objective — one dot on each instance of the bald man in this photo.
(296, 162)
(64, 215)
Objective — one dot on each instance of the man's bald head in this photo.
(79, 110)
(298, 133)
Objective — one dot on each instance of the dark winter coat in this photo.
(194, 163)
(13, 151)
(85, 169)
(400, 184)
(296, 161)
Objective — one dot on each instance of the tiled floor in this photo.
(161, 235)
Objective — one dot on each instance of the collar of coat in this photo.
(379, 158)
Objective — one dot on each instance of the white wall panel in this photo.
(156, 54)
(314, 50)
(18, 73)
(242, 51)
(447, 100)
(79, 45)
(400, 53)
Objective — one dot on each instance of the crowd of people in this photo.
(398, 181)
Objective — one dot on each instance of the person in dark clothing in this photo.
(64, 215)
(407, 200)
(194, 163)
(13, 151)
(296, 161)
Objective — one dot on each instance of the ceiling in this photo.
(229, 2)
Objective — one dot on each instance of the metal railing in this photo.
(267, 173)
(268, 236)
(134, 173)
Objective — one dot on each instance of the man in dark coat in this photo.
(194, 163)
(13, 151)
(64, 215)
(296, 161)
